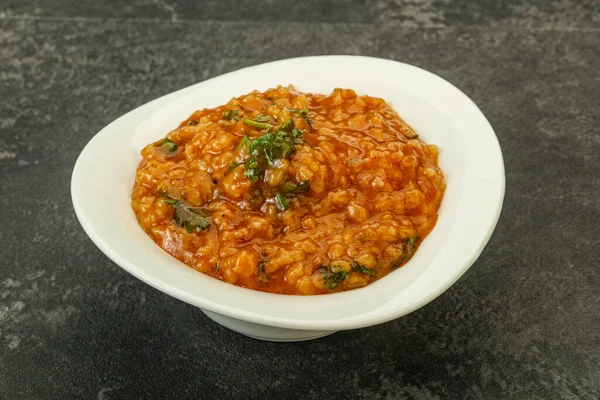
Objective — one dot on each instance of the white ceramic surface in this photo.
(470, 157)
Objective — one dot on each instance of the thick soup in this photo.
(290, 192)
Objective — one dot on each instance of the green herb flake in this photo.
(217, 267)
(187, 216)
(333, 276)
(264, 118)
(235, 164)
(287, 124)
(231, 114)
(409, 249)
(297, 136)
(244, 142)
(167, 146)
(253, 171)
(363, 270)
(256, 124)
(273, 146)
(292, 188)
(302, 111)
(282, 203)
(192, 122)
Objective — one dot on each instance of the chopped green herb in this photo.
(167, 146)
(273, 146)
(231, 114)
(409, 249)
(270, 147)
(333, 276)
(264, 118)
(363, 270)
(303, 112)
(286, 125)
(216, 266)
(192, 122)
(292, 188)
(257, 124)
(188, 216)
(253, 171)
(281, 202)
(235, 164)
(245, 141)
(297, 135)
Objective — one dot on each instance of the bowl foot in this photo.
(263, 332)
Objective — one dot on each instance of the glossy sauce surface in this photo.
(291, 192)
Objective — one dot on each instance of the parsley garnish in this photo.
(273, 146)
(235, 164)
(363, 270)
(257, 124)
(282, 203)
(263, 118)
(188, 216)
(253, 171)
(297, 135)
(409, 249)
(333, 276)
(286, 125)
(231, 114)
(303, 113)
(292, 188)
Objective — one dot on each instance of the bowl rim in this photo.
(493, 150)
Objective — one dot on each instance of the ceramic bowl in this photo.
(470, 158)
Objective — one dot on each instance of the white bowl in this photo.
(470, 157)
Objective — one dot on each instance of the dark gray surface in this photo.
(523, 323)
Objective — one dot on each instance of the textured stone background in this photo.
(523, 323)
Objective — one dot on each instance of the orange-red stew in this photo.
(291, 192)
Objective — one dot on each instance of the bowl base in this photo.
(263, 332)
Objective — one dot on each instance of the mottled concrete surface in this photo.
(523, 323)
